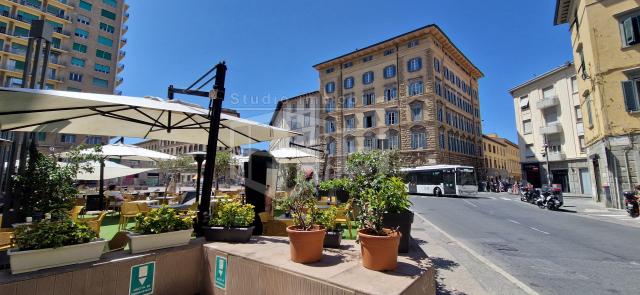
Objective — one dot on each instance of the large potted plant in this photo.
(51, 243)
(396, 212)
(326, 218)
(160, 228)
(231, 222)
(306, 236)
(378, 244)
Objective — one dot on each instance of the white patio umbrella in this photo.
(291, 155)
(114, 115)
(129, 152)
(111, 170)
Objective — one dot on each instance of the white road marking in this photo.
(513, 221)
(506, 199)
(472, 204)
(484, 260)
(544, 232)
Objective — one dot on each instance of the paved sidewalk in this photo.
(588, 208)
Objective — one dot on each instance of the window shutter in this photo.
(630, 96)
(627, 25)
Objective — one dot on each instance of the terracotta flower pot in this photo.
(379, 252)
(306, 246)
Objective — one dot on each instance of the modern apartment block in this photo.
(85, 50)
(548, 112)
(301, 114)
(416, 93)
(605, 36)
(501, 159)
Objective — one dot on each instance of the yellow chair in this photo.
(127, 210)
(143, 208)
(94, 222)
(343, 217)
(6, 238)
(75, 212)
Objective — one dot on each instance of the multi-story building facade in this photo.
(86, 50)
(501, 159)
(416, 93)
(301, 114)
(548, 111)
(605, 36)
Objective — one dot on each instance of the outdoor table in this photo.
(16, 225)
(164, 199)
(176, 206)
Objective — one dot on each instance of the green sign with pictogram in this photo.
(142, 277)
(221, 272)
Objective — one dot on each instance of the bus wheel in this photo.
(437, 192)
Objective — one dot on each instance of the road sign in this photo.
(142, 277)
(221, 272)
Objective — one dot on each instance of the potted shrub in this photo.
(378, 244)
(231, 222)
(396, 212)
(305, 236)
(333, 237)
(52, 243)
(160, 228)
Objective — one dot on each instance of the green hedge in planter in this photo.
(52, 234)
(161, 220)
(233, 214)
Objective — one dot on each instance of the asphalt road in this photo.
(551, 252)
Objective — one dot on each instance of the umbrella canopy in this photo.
(114, 115)
(129, 152)
(291, 155)
(111, 170)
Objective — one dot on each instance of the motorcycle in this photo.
(533, 196)
(544, 195)
(631, 203)
(524, 192)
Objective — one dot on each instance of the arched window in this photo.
(369, 142)
(350, 144)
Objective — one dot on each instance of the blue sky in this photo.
(270, 46)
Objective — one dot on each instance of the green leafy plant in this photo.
(290, 173)
(54, 233)
(162, 220)
(386, 195)
(327, 217)
(233, 214)
(46, 185)
(302, 204)
(224, 160)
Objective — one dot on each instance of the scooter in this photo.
(541, 201)
(524, 192)
(533, 196)
(555, 200)
(631, 203)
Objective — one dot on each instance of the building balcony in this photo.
(117, 92)
(125, 16)
(120, 67)
(123, 42)
(548, 102)
(551, 129)
(125, 28)
(119, 81)
(121, 54)
(33, 4)
(557, 156)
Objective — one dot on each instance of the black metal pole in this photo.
(45, 64)
(212, 145)
(198, 177)
(36, 60)
(101, 185)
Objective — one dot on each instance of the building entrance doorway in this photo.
(561, 177)
(532, 173)
(585, 181)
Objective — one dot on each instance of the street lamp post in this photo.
(199, 157)
(546, 155)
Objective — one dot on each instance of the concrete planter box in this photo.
(141, 243)
(32, 260)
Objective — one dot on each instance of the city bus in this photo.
(441, 180)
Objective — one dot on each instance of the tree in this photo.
(224, 159)
(171, 168)
(46, 185)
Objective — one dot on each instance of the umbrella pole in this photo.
(101, 185)
(198, 177)
(215, 107)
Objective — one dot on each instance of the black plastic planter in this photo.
(333, 239)
(228, 234)
(402, 221)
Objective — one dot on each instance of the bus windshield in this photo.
(465, 177)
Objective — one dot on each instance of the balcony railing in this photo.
(119, 80)
(557, 156)
(24, 2)
(122, 54)
(548, 102)
(551, 129)
(117, 92)
(120, 67)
